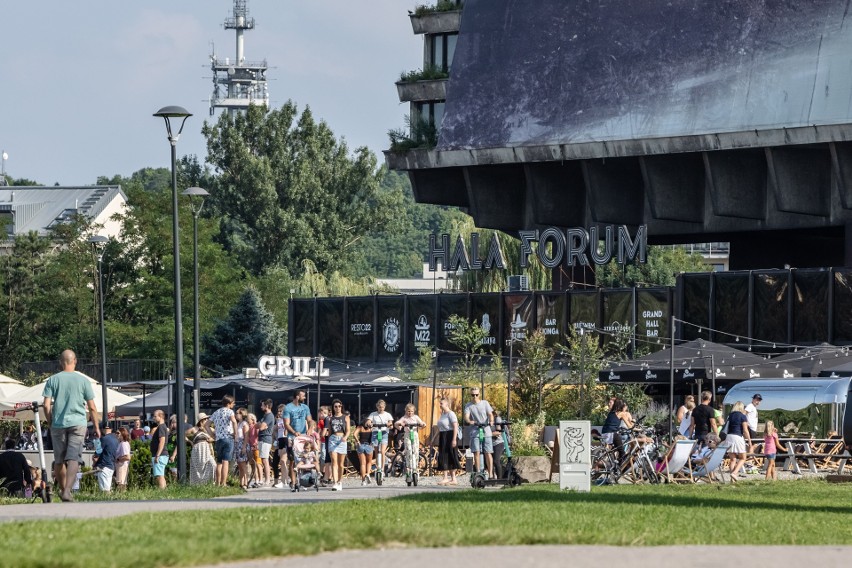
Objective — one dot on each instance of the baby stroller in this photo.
(306, 460)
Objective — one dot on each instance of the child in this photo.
(253, 452)
(770, 448)
(308, 465)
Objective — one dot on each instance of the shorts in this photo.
(375, 440)
(488, 442)
(68, 443)
(105, 479)
(224, 449)
(158, 465)
(607, 438)
(282, 445)
(770, 457)
(265, 447)
(337, 444)
(365, 448)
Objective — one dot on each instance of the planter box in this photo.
(533, 469)
(434, 90)
(436, 22)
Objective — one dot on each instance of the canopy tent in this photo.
(8, 389)
(358, 391)
(693, 361)
(818, 360)
(8, 380)
(25, 397)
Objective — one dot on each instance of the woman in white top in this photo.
(381, 420)
(684, 416)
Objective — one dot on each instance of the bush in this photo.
(526, 436)
(139, 474)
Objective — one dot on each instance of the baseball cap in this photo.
(757, 396)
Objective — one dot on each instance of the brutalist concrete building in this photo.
(703, 120)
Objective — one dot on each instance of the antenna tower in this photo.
(238, 83)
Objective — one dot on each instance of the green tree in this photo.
(139, 272)
(467, 336)
(531, 381)
(244, 336)
(664, 263)
(399, 250)
(288, 191)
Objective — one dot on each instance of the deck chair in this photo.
(713, 465)
(678, 467)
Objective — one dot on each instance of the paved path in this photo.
(576, 557)
(253, 498)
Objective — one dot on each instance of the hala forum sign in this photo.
(551, 246)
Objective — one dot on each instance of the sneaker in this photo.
(253, 485)
(294, 490)
(340, 486)
(369, 481)
(363, 483)
(278, 485)
(334, 487)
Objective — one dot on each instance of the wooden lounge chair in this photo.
(713, 465)
(678, 466)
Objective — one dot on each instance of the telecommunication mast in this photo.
(238, 83)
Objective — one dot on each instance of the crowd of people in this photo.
(704, 422)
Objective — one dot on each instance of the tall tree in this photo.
(139, 272)
(244, 336)
(662, 266)
(289, 191)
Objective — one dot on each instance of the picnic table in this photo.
(827, 454)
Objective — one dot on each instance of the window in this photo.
(441, 51)
(433, 113)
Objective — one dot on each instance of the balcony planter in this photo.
(436, 22)
(432, 90)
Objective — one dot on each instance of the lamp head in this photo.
(168, 113)
(196, 197)
(98, 240)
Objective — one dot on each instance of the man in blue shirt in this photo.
(106, 459)
(296, 416)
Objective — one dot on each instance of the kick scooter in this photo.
(511, 478)
(412, 471)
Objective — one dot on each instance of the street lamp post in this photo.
(167, 114)
(99, 243)
(196, 202)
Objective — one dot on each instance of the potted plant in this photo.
(532, 461)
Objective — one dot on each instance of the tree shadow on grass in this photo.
(611, 498)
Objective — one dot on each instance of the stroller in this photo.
(306, 463)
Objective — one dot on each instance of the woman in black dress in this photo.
(448, 435)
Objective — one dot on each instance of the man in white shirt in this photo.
(751, 416)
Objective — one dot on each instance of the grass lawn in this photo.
(796, 512)
(149, 494)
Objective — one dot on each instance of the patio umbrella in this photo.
(818, 360)
(692, 361)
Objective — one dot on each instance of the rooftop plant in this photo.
(428, 73)
(441, 6)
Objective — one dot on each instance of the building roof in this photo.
(599, 75)
(38, 209)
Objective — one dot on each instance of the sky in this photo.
(80, 81)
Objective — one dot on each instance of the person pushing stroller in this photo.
(307, 463)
